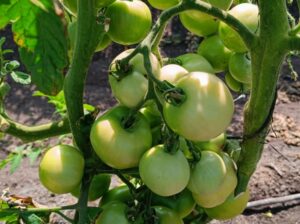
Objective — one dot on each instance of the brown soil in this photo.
(278, 172)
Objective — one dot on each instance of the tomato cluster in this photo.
(176, 138)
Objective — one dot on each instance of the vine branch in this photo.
(33, 133)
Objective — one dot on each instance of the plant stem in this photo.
(37, 210)
(34, 133)
(267, 57)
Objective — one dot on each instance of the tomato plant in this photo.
(166, 139)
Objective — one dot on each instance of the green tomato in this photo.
(61, 169)
(216, 144)
(130, 21)
(232, 207)
(228, 185)
(163, 4)
(72, 29)
(167, 216)
(157, 168)
(120, 147)
(233, 84)
(172, 73)
(213, 49)
(98, 187)
(152, 119)
(246, 13)
(208, 174)
(240, 68)
(199, 23)
(117, 194)
(195, 63)
(182, 203)
(113, 213)
(207, 110)
(131, 89)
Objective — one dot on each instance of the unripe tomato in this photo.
(233, 84)
(216, 144)
(130, 21)
(200, 23)
(208, 174)
(61, 169)
(172, 73)
(167, 216)
(246, 13)
(195, 63)
(116, 146)
(72, 29)
(152, 118)
(182, 203)
(131, 89)
(157, 168)
(98, 187)
(163, 4)
(240, 68)
(113, 213)
(228, 185)
(213, 49)
(207, 110)
(232, 207)
(117, 194)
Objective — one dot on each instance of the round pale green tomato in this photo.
(117, 194)
(117, 146)
(246, 13)
(167, 216)
(182, 203)
(195, 63)
(199, 23)
(163, 4)
(207, 110)
(216, 144)
(98, 187)
(213, 49)
(228, 185)
(72, 29)
(240, 68)
(131, 89)
(172, 73)
(233, 84)
(113, 213)
(130, 21)
(208, 174)
(232, 207)
(61, 169)
(157, 168)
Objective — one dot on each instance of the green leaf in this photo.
(21, 77)
(12, 65)
(8, 11)
(32, 219)
(33, 155)
(4, 162)
(15, 162)
(43, 46)
(58, 101)
(88, 107)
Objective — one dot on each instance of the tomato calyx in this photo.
(122, 70)
(195, 152)
(170, 93)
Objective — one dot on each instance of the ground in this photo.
(278, 172)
